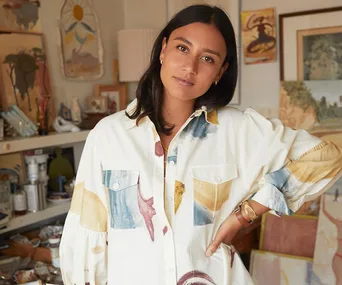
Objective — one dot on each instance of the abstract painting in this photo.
(275, 235)
(259, 36)
(315, 106)
(20, 16)
(80, 41)
(25, 76)
(327, 264)
(268, 268)
(319, 53)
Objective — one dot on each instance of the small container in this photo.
(5, 198)
(54, 249)
(19, 202)
(32, 171)
(31, 191)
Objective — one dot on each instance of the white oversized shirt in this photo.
(128, 224)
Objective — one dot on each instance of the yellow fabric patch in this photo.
(179, 191)
(92, 212)
(322, 162)
(210, 195)
(212, 117)
(97, 249)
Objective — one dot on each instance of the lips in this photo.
(184, 82)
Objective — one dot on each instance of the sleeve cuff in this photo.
(272, 198)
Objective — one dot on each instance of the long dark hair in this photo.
(150, 88)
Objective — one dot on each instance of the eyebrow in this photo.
(205, 49)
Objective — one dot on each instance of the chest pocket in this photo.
(123, 190)
(211, 186)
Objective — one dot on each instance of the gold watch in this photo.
(248, 210)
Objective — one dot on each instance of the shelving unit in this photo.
(21, 221)
(22, 144)
(12, 145)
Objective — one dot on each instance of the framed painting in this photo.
(81, 47)
(259, 36)
(275, 235)
(328, 251)
(233, 9)
(116, 96)
(269, 268)
(96, 104)
(20, 16)
(319, 53)
(305, 35)
(24, 79)
(314, 105)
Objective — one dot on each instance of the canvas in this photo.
(315, 106)
(80, 41)
(259, 36)
(20, 16)
(320, 53)
(268, 268)
(327, 264)
(275, 235)
(25, 75)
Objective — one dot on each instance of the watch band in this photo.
(241, 219)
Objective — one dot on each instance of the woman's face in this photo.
(192, 60)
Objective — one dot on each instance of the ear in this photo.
(222, 70)
(164, 43)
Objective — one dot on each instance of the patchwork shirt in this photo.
(128, 224)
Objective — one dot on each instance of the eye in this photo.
(208, 59)
(182, 48)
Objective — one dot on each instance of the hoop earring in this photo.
(161, 61)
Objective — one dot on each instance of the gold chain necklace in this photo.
(166, 149)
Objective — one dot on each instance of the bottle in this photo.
(54, 249)
(32, 170)
(19, 202)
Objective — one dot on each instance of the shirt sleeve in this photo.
(295, 166)
(83, 249)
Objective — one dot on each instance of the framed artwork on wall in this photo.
(233, 9)
(20, 16)
(116, 96)
(307, 39)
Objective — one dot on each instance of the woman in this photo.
(161, 185)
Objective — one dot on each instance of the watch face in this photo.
(250, 212)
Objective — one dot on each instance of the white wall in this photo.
(260, 83)
(111, 19)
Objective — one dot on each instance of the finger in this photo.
(219, 237)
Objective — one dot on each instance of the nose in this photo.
(191, 65)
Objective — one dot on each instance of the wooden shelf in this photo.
(22, 144)
(21, 221)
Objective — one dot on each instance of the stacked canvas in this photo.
(301, 249)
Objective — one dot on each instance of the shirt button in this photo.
(217, 179)
(172, 163)
(170, 199)
(116, 186)
(171, 270)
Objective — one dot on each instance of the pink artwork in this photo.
(328, 252)
(294, 235)
(268, 268)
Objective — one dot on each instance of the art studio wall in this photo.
(260, 82)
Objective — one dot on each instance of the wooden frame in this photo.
(310, 19)
(116, 95)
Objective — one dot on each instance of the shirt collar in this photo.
(211, 116)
